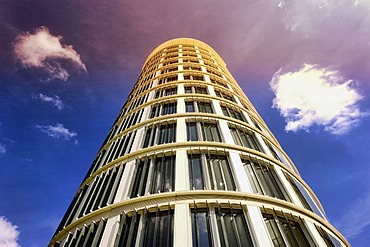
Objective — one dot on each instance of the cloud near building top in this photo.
(315, 96)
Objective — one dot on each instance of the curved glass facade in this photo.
(189, 162)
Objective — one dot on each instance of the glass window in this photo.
(243, 137)
(230, 112)
(153, 175)
(224, 95)
(169, 108)
(127, 231)
(165, 92)
(157, 229)
(166, 133)
(199, 106)
(232, 227)
(329, 240)
(303, 195)
(159, 134)
(192, 132)
(230, 223)
(196, 89)
(89, 235)
(201, 227)
(163, 175)
(286, 230)
(140, 178)
(188, 89)
(210, 171)
(220, 173)
(150, 135)
(210, 132)
(204, 107)
(264, 179)
(195, 171)
(190, 106)
(203, 131)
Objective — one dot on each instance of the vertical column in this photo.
(182, 173)
(259, 228)
(182, 234)
(110, 232)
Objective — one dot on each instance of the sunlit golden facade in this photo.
(189, 162)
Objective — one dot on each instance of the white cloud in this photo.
(356, 219)
(55, 100)
(2, 149)
(45, 51)
(316, 96)
(58, 131)
(8, 233)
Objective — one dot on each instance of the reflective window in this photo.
(225, 95)
(198, 106)
(263, 178)
(167, 79)
(230, 224)
(244, 137)
(165, 92)
(286, 230)
(163, 109)
(201, 227)
(230, 112)
(153, 175)
(232, 227)
(157, 229)
(329, 240)
(196, 89)
(203, 131)
(127, 231)
(88, 235)
(210, 171)
(303, 195)
(159, 134)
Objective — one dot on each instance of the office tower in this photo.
(189, 162)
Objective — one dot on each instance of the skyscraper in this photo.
(189, 162)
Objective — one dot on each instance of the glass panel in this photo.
(140, 178)
(304, 196)
(195, 170)
(232, 227)
(201, 232)
(189, 106)
(192, 134)
(158, 229)
(163, 179)
(273, 229)
(220, 173)
(264, 180)
(291, 228)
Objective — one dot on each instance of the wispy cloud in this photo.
(357, 218)
(58, 131)
(2, 149)
(45, 51)
(316, 96)
(8, 233)
(55, 100)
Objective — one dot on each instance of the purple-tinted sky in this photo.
(66, 68)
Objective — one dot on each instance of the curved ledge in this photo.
(183, 41)
(196, 144)
(211, 196)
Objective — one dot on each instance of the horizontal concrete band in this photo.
(198, 196)
(195, 145)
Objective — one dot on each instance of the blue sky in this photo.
(66, 68)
